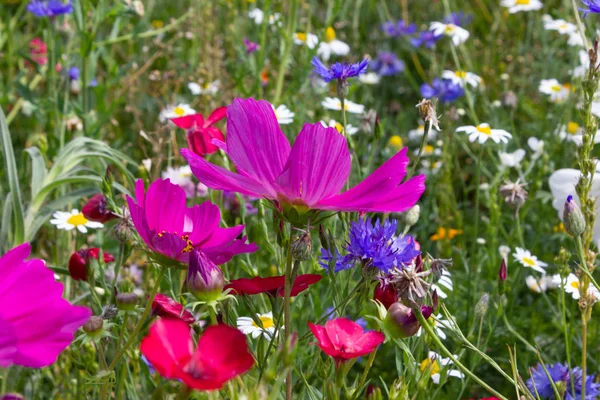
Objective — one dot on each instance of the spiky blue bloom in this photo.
(399, 28)
(444, 89)
(593, 6)
(49, 8)
(427, 39)
(387, 64)
(73, 73)
(374, 245)
(339, 71)
(560, 376)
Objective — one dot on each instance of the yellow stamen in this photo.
(450, 28)
(77, 220)
(267, 322)
(485, 129)
(396, 142)
(572, 127)
(429, 149)
(557, 88)
(179, 111)
(432, 366)
(301, 36)
(339, 127)
(575, 284)
(329, 34)
(523, 2)
(461, 74)
(528, 261)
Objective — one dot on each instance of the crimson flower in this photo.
(272, 285)
(201, 132)
(96, 210)
(80, 259)
(343, 339)
(386, 294)
(166, 307)
(221, 355)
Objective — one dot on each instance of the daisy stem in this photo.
(477, 190)
(580, 28)
(423, 141)
(448, 354)
(566, 333)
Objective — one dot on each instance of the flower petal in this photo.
(217, 115)
(168, 346)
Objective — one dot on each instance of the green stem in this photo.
(5, 372)
(287, 51)
(365, 373)
(287, 317)
(423, 142)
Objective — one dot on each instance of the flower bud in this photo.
(79, 261)
(126, 301)
(482, 305)
(302, 247)
(573, 218)
(96, 209)
(204, 280)
(386, 294)
(94, 325)
(342, 88)
(502, 271)
(124, 229)
(412, 216)
(400, 321)
(374, 393)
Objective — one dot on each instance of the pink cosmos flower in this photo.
(343, 339)
(221, 355)
(309, 174)
(169, 227)
(201, 132)
(36, 323)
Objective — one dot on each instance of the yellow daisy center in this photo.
(330, 34)
(179, 111)
(450, 28)
(575, 284)
(339, 127)
(432, 366)
(572, 127)
(301, 36)
(461, 74)
(428, 149)
(267, 322)
(421, 128)
(77, 219)
(396, 141)
(523, 2)
(528, 261)
(485, 129)
(557, 88)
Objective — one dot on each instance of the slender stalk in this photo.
(287, 51)
(423, 142)
(365, 373)
(287, 317)
(5, 372)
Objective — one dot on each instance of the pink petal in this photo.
(189, 121)
(219, 178)
(255, 142)
(324, 342)
(165, 206)
(369, 342)
(201, 221)
(217, 115)
(343, 333)
(318, 166)
(140, 192)
(221, 255)
(168, 346)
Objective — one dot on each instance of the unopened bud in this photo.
(385, 294)
(94, 325)
(326, 239)
(482, 306)
(342, 88)
(302, 247)
(502, 274)
(79, 261)
(412, 216)
(124, 229)
(204, 280)
(573, 218)
(96, 209)
(401, 322)
(374, 393)
(126, 301)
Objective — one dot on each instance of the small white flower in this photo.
(515, 6)
(573, 132)
(174, 111)
(434, 364)
(481, 241)
(541, 285)
(513, 159)
(70, 220)
(536, 145)
(257, 15)
(557, 91)
(560, 25)
(210, 88)
(528, 260)
(445, 281)
(370, 78)
(462, 78)
(456, 33)
(483, 132)
(332, 103)
(417, 134)
(429, 150)
(27, 108)
(575, 40)
(248, 327)
(351, 130)
(182, 176)
(284, 115)
(331, 45)
(504, 251)
(308, 39)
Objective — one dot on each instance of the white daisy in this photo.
(429, 150)
(439, 324)
(74, 219)
(456, 33)
(249, 327)
(557, 91)
(560, 25)
(536, 145)
(434, 364)
(483, 132)
(462, 78)
(572, 286)
(575, 40)
(513, 159)
(504, 251)
(309, 39)
(174, 111)
(417, 134)
(332, 103)
(528, 260)
(445, 281)
(257, 15)
(339, 127)
(284, 115)
(573, 132)
(182, 176)
(370, 78)
(210, 88)
(331, 45)
(430, 167)
(515, 6)
(541, 285)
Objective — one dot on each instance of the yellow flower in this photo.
(396, 142)
(443, 233)
(157, 24)
(560, 228)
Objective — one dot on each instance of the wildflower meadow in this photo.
(299, 199)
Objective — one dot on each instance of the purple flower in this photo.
(560, 374)
(387, 64)
(73, 73)
(340, 71)
(50, 8)
(593, 6)
(400, 28)
(427, 39)
(374, 245)
(459, 18)
(251, 47)
(443, 89)
(204, 279)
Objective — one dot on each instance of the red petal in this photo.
(168, 347)
(324, 342)
(189, 121)
(217, 115)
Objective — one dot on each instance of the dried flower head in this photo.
(514, 194)
(410, 285)
(427, 112)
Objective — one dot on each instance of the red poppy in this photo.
(166, 307)
(271, 285)
(343, 339)
(221, 354)
(96, 210)
(79, 260)
(201, 132)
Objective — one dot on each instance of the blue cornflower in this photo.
(400, 28)
(428, 39)
(387, 64)
(339, 71)
(459, 19)
(74, 73)
(593, 6)
(50, 8)
(560, 375)
(375, 245)
(443, 89)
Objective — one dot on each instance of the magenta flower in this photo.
(310, 174)
(172, 229)
(36, 323)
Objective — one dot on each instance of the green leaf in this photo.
(6, 223)
(38, 170)
(13, 181)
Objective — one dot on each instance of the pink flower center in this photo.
(189, 245)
